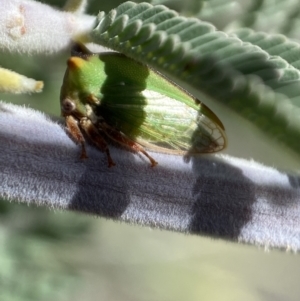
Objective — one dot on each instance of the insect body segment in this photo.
(109, 98)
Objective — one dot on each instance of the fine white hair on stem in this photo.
(12, 82)
(31, 27)
(217, 196)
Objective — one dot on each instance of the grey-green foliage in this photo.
(188, 7)
(280, 49)
(32, 266)
(273, 16)
(254, 78)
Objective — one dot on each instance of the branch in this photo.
(218, 196)
(31, 27)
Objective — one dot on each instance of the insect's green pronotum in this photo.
(109, 97)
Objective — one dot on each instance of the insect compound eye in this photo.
(68, 105)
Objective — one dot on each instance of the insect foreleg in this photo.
(74, 130)
(96, 138)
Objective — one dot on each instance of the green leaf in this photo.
(285, 54)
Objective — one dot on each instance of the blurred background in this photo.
(52, 255)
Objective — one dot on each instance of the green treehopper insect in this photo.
(110, 98)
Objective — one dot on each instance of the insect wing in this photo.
(154, 112)
(174, 127)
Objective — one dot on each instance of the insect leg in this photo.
(74, 130)
(96, 138)
(123, 140)
(93, 100)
